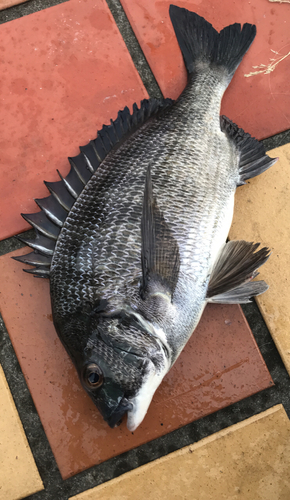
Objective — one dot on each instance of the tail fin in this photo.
(200, 42)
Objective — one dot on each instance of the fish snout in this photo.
(116, 416)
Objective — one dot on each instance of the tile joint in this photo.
(134, 49)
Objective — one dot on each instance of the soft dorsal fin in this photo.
(230, 281)
(54, 208)
(253, 158)
(160, 252)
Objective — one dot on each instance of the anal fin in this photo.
(237, 265)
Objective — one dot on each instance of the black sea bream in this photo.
(134, 238)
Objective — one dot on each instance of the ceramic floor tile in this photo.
(5, 4)
(19, 476)
(220, 365)
(262, 209)
(260, 103)
(249, 460)
(64, 72)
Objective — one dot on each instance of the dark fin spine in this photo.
(253, 158)
(78, 173)
(42, 244)
(39, 221)
(200, 42)
(38, 272)
(70, 189)
(53, 210)
(89, 165)
(79, 164)
(34, 259)
(61, 194)
(90, 157)
(103, 141)
(99, 158)
(236, 266)
(160, 252)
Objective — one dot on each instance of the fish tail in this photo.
(200, 43)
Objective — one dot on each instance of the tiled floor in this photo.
(65, 72)
(250, 460)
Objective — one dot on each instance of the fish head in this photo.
(122, 365)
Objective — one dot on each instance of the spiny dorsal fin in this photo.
(160, 253)
(54, 208)
(236, 266)
(253, 159)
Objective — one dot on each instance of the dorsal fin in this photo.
(54, 208)
(253, 158)
(160, 252)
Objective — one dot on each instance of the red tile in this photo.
(260, 104)
(64, 72)
(220, 365)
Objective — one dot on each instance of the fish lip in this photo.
(118, 413)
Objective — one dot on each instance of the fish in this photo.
(134, 238)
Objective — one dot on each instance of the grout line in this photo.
(277, 140)
(10, 244)
(134, 49)
(24, 9)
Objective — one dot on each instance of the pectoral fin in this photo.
(160, 253)
(237, 265)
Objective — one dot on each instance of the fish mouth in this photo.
(116, 416)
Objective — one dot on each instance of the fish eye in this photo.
(93, 376)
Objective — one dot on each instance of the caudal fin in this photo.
(200, 43)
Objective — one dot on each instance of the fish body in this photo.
(141, 247)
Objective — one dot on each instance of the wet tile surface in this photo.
(19, 476)
(262, 209)
(260, 103)
(64, 72)
(220, 365)
(249, 460)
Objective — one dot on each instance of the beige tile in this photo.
(247, 461)
(5, 4)
(18, 473)
(262, 214)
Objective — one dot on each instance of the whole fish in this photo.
(134, 238)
